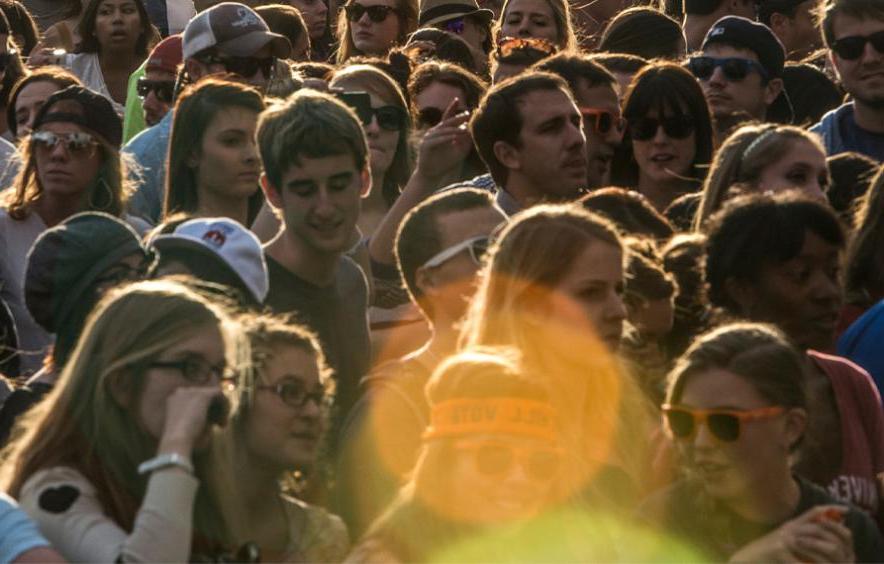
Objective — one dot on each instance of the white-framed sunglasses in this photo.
(477, 247)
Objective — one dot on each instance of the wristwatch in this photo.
(165, 460)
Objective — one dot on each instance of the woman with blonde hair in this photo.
(764, 158)
(70, 164)
(553, 288)
(538, 19)
(112, 461)
(275, 434)
(373, 27)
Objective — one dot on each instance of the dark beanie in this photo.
(89, 109)
(65, 261)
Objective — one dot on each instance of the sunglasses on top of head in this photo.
(377, 14)
(734, 69)
(852, 48)
(164, 89)
(675, 127)
(724, 424)
(245, 67)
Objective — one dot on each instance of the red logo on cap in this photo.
(215, 237)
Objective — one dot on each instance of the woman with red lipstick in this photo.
(668, 140)
(776, 259)
(275, 434)
(214, 169)
(373, 27)
(737, 408)
(116, 37)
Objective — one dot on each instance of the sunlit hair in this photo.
(82, 425)
(194, 111)
(742, 158)
(566, 39)
(147, 36)
(530, 258)
(407, 14)
(864, 280)
(109, 192)
(366, 78)
(264, 335)
(450, 74)
(58, 76)
(758, 354)
(425, 516)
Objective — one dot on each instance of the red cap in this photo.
(166, 56)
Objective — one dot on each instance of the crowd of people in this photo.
(441, 280)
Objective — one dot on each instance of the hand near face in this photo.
(814, 536)
(445, 145)
(187, 410)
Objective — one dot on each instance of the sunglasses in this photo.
(164, 89)
(77, 144)
(294, 394)
(377, 14)
(734, 69)
(509, 45)
(495, 459)
(477, 247)
(675, 127)
(603, 121)
(429, 117)
(852, 48)
(245, 67)
(724, 424)
(455, 26)
(390, 118)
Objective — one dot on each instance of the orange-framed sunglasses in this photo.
(724, 424)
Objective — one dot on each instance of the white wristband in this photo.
(165, 460)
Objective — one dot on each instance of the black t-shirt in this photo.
(337, 314)
(685, 511)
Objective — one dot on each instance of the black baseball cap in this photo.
(753, 36)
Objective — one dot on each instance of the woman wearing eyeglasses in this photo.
(668, 141)
(764, 158)
(112, 464)
(116, 38)
(70, 164)
(373, 27)
(214, 169)
(737, 409)
(481, 466)
(274, 436)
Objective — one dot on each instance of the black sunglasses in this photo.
(245, 67)
(675, 127)
(164, 89)
(851, 48)
(391, 118)
(429, 117)
(735, 69)
(377, 14)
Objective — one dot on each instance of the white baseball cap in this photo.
(236, 246)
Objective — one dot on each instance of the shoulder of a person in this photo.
(320, 527)
(350, 273)
(146, 140)
(842, 368)
(54, 491)
(830, 118)
(371, 549)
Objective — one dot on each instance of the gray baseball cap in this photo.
(235, 30)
